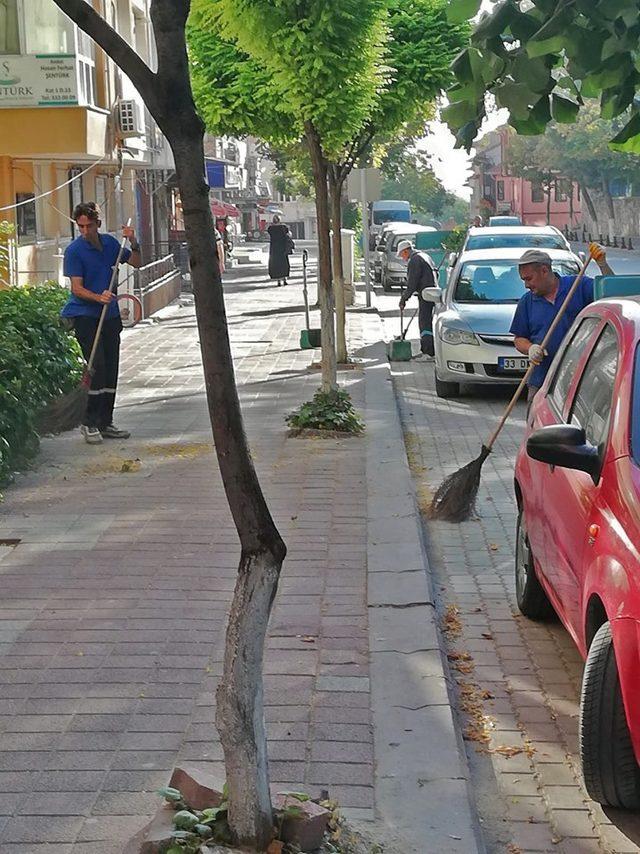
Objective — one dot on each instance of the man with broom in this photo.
(420, 275)
(89, 262)
(546, 293)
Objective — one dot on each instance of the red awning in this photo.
(218, 208)
(232, 210)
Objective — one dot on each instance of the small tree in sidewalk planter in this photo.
(239, 714)
(326, 58)
(330, 411)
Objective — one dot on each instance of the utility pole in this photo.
(365, 235)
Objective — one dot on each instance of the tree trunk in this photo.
(586, 195)
(611, 213)
(325, 289)
(239, 713)
(335, 186)
(549, 184)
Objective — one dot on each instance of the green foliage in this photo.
(409, 176)
(542, 60)
(324, 57)
(327, 411)
(455, 241)
(195, 827)
(38, 360)
(235, 94)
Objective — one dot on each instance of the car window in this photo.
(514, 241)
(397, 238)
(591, 407)
(497, 281)
(565, 372)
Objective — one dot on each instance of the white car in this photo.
(516, 237)
(408, 230)
(473, 315)
(393, 269)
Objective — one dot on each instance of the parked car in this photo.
(473, 315)
(513, 237)
(387, 229)
(577, 483)
(504, 220)
(393, 270)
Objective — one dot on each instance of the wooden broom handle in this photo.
(565, 305)
(103, 313)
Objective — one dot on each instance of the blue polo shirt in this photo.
(534, 315)
(95, 267)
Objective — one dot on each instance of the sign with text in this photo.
(38, 81)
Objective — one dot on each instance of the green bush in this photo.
(327, 411)
(38, 360)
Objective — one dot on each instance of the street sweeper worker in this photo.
(89, 262)
(546, 292)
(420, 275)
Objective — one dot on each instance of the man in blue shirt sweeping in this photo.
(537, 309)
(89, 262)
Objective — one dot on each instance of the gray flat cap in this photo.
(535, 256)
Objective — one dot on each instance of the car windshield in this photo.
(514, 241)
(497, 281)
(390, 216)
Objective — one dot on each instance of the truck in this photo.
(387, 210)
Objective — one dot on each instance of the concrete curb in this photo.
(422, 790)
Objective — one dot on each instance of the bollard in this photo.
(590, 238)
(601, 239)
(623, 244)
(630, 246)
(615, 241)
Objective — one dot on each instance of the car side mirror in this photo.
(565, 445)
(432, 295)
(452, 259)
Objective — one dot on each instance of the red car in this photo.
(577, 482)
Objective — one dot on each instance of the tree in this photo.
(324, 58)
(542, 60)
(239, 716)
(412, 178)
(419, 52)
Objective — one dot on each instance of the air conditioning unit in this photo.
(130, 119)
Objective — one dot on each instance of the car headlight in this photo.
(451, 335)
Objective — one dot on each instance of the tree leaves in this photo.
(462, 10)
(585, 49)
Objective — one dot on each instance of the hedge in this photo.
(38, 360)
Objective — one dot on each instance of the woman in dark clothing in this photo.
(279, 251)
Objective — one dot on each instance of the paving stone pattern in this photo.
(533, 800)
(114, 604)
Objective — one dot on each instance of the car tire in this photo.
(609, 766)
(532, 601)
(386, 285)
(447, 390)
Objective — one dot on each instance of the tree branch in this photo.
(95, 26)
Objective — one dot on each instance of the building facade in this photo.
(72, 128)
(556, 201)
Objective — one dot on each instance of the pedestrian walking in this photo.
(546, 293)
(420, 275)
(280, 247)
(89, 262)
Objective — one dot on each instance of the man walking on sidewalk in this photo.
(420, 275)
(89, 262)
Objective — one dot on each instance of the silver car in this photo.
(473, 314)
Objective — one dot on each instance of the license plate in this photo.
(506, 363)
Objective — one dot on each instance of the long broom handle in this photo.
(574, 287)
(103, 313)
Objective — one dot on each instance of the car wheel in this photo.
(611, 773)
(445, 390)
(530, 596)
(386, 285)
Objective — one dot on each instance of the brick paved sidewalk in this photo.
(518, 681)
(114, 603)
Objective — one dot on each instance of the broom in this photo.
(455, 499)
(68, 411)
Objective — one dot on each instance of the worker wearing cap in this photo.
(420, 275)
(536, 311)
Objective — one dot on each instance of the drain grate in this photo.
(10, 541)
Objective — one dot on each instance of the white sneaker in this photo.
(92, 435)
